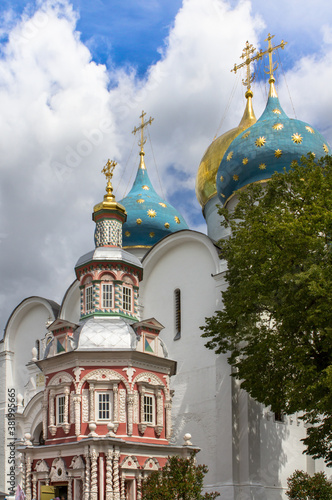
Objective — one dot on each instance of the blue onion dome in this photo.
(273, 143)
(149, 217)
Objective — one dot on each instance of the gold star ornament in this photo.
(262, 166)
(278, 126)
(245, 161)
(235, 177)
(277, 153)
(260, 141)
(151, 213)
(229, 156)
(297, 138)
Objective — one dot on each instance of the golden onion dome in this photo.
(208, 168)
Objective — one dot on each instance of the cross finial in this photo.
(248, 50)
(141, 128)
(109, 169)
(272, 66)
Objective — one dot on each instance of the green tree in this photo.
(276, 323)
(179, 479)
(301, 486)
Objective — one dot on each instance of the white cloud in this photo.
(62, 116)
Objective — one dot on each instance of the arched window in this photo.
(107, 291)
(177, 311)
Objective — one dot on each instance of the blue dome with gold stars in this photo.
(273, 143)
(149, 217)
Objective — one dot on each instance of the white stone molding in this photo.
(130, 407)
(116, 404)
(34, 486)
(58, 470)
(136, 408)
(116, 485)
(103, 375)
(160, 412)
(85, 405)
(66, 424)
(122, 405)
(77, 408)
(70, 489)
(28, 478)
(72, 408)
(109, 475)
(166, 377)
(52, 427)
(168, 408)
(123, 489)
(130, 371)
(77, 372)
(24, 471)
(150, 379)
(139, 486)
(77, 463)
(41, 466)
(87, 477)
(91, 402)
(45, 415)
(94, 476)
(142, 426)
(130, 463)
(60, 379)
(92, 427)
(151, 464)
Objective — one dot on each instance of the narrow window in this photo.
(107, 296)
(126, 299)
(60, 409)
(104, 406)
(148, 409)
(177, 309)
(88, 299)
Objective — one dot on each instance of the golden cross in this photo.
(247, 51)
(141, 128)
(108, 169)
(272, 67)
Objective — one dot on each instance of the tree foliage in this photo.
(179, 479)
(301, 486)
(276, 323)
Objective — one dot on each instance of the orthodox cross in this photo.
(141, 128)
(248, 58)
(272, 66)
(108, 169)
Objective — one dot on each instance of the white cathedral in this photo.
(117, 376)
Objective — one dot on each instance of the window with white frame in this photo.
(103, 405)
(149, 409)
(107, 296)
(126, 299)
(88, 298)
(60, 409)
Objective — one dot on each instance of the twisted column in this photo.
(109, 475)
(70, 490)
(34, 486)
(77, 413)
(87, 477)
(92, 402)
(28, 479)
(94, 476)
(116, 488)
(130, 408)
(123, 489)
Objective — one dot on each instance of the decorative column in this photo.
(94, 476)
(92, 402)
(168, 408)
(160, 423)
(87, 477)
(116, 488)
(116, 406)
(24, 470)
(123, 489)
(70, 489)
(45, 415)
(28, 479)
(101, 478)
(109, 475)
(66, 424)
(34, 486)
(130, 408)
(52, 426)
(77, 413)
(142, 425)
(139, 486)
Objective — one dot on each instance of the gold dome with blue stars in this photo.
(271, 145)
(149, 217)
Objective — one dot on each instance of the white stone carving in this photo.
(109, 475)
(77, 406)
(130, 373)
(87, 478)
(94, 476)
(77, 372)
(136, 408)
(122, 405)
(103, 375)
(151, 464)
(77, 463)
(130, 403)
(72, 408)
(58, 470)
(149, 378)
(61, 378)
(28, 478)
(41, 466)
(116, 482)
(85, 405)
(130, 463)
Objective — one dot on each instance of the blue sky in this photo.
(74, 78)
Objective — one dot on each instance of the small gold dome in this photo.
(208, 168)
